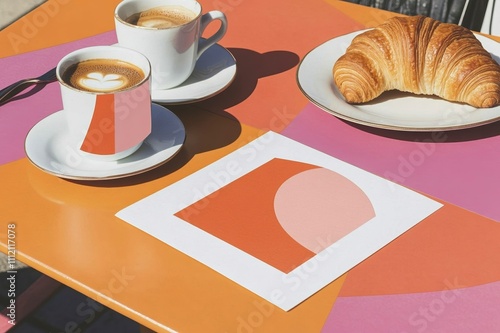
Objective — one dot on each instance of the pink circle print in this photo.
(317, 207)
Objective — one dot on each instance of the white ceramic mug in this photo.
(110, 124)
(172, 51)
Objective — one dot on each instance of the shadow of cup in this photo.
(251, 66)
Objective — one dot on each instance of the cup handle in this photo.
(204, 44)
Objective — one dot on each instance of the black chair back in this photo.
(467, 13)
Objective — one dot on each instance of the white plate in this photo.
(391, 110)
(214, 72)
(46, 147)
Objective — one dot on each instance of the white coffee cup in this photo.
(172, 51)
(106, 98)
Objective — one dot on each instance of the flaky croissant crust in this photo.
(420, 55)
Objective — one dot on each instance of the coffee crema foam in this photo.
(103, 75)
(162, 17)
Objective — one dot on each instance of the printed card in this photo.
(280, 218)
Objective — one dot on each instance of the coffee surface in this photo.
(162, 17)
(103, 75)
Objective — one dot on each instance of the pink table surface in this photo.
(461, 310)
(460, 167)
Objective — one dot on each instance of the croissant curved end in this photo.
(489, 101)
(351, 91)
(485, 94)
(355, 81)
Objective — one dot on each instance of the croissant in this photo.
(420, 55)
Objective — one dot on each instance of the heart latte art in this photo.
(162, 17)
(103, 82)
(103, 75)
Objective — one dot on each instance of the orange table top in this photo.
(68, 229)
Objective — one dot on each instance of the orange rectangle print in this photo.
(119, 121)
(275, 209)
(283, 212)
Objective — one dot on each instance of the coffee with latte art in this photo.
(162, 17)
(103, 75)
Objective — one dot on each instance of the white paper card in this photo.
(280, 218)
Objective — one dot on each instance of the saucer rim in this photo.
(204, 97)
(201, 98)
(158, 107)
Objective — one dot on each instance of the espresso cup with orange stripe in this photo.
(106, 95)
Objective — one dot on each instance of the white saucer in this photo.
(214, 72)
(46, 147)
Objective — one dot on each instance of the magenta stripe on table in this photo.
(460, 167)
(19, 116)
(462, 310)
